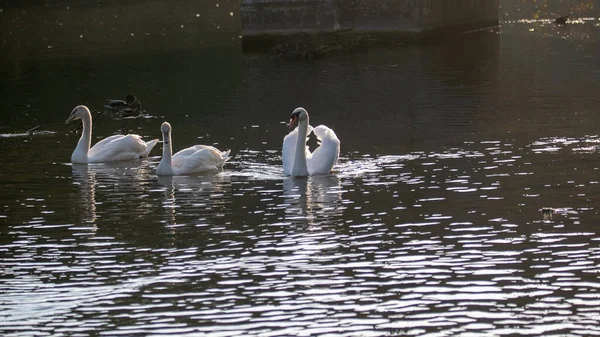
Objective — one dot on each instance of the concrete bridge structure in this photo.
(406, 17)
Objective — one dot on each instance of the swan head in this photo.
(78, 113)
(299, 115)
(165, 128)
(130, 99)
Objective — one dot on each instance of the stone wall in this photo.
(282, 15)
(292, 16)
(445, 13)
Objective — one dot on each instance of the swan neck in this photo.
(85, 141)
(300, 168)
(166, 162)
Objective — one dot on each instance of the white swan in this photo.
(194, 159)
(297, 159)
(113, 148)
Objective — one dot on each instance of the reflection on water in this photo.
(312, 200)
(55, 30)
(207, 192)
(85, 176)
(26, 134)
(464, 202)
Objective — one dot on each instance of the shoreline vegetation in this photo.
(311, 46)
(321, 44)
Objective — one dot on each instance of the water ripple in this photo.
(454, 242)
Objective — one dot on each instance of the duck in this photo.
(562, 20)
(192, 160)
(297, 159)
(131, 106)
(110, 149)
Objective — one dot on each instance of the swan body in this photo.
(191, 160)
(297, 159)
(110, 149)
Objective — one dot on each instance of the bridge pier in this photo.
(266, 20)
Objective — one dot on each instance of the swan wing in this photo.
(190, 150)
(324, 157)
(118, 147)
(199, 158)
(288, 150)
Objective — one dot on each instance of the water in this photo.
(464, 202)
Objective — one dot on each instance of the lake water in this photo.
(465, 201)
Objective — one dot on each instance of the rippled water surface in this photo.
(464, 203)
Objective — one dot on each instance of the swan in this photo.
(297, 159)
(113, 148)
(194, 159)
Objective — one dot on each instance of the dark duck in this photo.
(562, 20)
(129, 107)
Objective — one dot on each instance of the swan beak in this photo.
(70, 119)
(293, 122)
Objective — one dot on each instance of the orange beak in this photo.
(293, 122)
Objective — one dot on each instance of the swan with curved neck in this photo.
(113, 148)
(192, 160)
(297, 159)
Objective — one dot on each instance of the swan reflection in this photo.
(117, 186)
(194, 193)
(313, 199)
(85, 177)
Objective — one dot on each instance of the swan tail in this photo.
(149, 146)
(225, 155)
